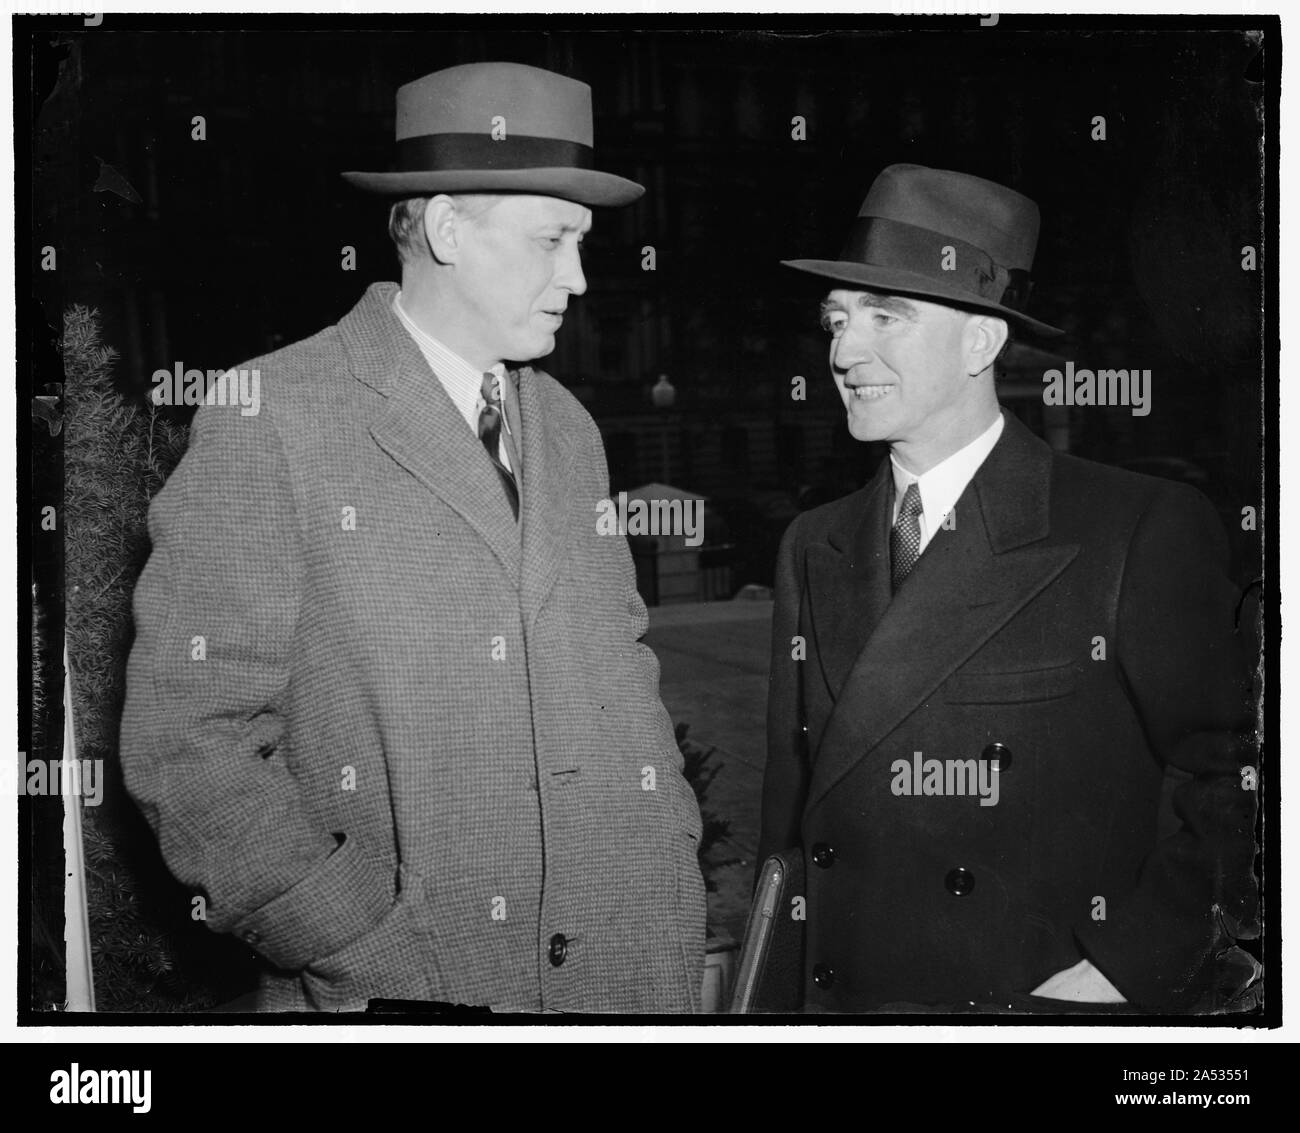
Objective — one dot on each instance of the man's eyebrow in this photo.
(891, 303)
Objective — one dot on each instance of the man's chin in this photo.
(865, 431)
(531, 353)
(544, 346)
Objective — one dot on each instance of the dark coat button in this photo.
(823, 856)
(999, 753)
(251, 936)
(959, 881)
(558, 950)
(823, 976)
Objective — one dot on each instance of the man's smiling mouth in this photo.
(872, 393)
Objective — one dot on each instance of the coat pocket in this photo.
(1025, 686)
(388, 962)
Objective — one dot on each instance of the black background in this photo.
(234, 245)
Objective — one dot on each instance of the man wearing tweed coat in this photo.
(405, 744)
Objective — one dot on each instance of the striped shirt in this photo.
(463, 383)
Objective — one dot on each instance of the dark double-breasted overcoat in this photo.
(1075, 626)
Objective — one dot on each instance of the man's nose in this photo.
(570, 276)
(854, 347)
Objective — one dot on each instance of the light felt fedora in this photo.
(943, 236)
(497, 128)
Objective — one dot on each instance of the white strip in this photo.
(76, 919)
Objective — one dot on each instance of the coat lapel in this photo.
(421, 428)
(848, 581)
(968, 584)
(547, 464)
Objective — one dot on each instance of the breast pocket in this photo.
(1021, 686)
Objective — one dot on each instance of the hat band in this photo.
(880, 242)
(449, 152)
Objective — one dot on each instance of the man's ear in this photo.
(987, 334)
(443, 228)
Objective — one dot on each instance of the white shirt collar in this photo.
(462, 381)
(942, 485)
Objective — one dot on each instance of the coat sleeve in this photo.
(1181, 658)
(203, 738)
(785, 780)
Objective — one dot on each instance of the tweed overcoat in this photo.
(403, 746)
(1078, 616)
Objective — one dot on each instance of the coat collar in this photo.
(546, 490)
(421, 429)
(848, 578)
(883, 656)
(1014, 479)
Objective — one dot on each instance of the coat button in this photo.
(959, 882)
(999, 754)
(823, 975)
(823, 856)
(251, 936)
(558, 950)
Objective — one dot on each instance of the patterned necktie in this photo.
(905, 538)
(489, 432)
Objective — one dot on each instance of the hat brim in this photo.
(583, 186)
(896, 281)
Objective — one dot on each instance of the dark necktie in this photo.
(905, 538)
(489, 432)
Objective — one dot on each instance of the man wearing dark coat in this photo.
(985, 662)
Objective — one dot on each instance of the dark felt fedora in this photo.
(943, 236)
(497, 128)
